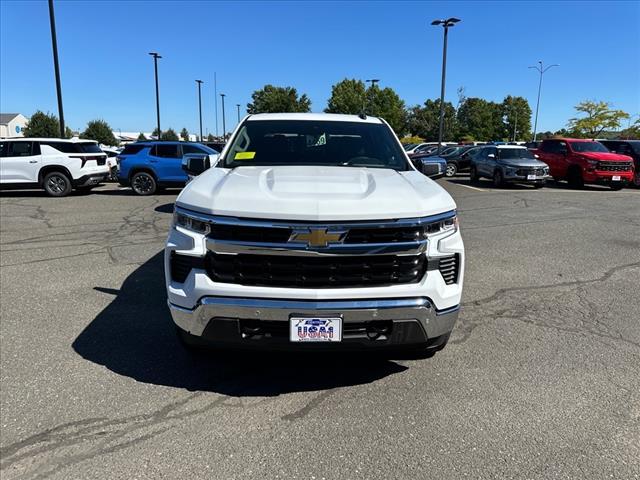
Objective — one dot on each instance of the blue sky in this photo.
(106, 72)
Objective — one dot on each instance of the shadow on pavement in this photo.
(134, 336)
(164, 208)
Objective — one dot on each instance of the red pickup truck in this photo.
(585, 161)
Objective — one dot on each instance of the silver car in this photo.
(509, 164)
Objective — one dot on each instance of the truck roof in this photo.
(566, 139)
(327, 117)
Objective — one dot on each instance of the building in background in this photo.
(12, 124)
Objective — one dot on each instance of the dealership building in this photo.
(12, 124)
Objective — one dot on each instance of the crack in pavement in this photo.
(502, 304)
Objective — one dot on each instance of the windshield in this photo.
(514, 153)
(588, 147)
(311, 142)
(408, 146)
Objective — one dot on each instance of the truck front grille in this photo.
(614, 166)
(530, 171)
(315, 272)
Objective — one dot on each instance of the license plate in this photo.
(531, 177)
(315, 329)
(616, 178)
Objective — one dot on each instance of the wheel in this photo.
(451, 170)
(498, 179)
(143, 183)
(57, 184)
(473, 175)
(575, 179)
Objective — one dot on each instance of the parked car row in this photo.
(61, 165)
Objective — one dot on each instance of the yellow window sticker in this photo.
(244, 155)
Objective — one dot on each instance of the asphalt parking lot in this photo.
(540, 379)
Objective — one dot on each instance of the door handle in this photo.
(33, 161)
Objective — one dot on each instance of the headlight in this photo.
(593, 163)
(190, 223)
(449, 225)
(510, 171)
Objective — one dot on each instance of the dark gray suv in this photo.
(509, 164)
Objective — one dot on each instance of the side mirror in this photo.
(431, 169)
(491, 155)
(196, 163)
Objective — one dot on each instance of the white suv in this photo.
(54, 164)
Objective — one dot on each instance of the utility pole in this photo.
(373, 82)
(449, 22)
(224, 126)
(515, 126)
(155, 66)
(541, 70)
(56, 66)
(200, 82)
(215, 96)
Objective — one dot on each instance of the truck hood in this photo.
(606, 156)
(315, 193)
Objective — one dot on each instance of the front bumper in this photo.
(523, 178)
(264, 323)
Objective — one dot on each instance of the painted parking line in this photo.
(469, 186)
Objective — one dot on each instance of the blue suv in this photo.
(148, 166)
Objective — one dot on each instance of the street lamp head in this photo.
(223, 95)
(155, 55)
(449, 22)
(437, 22)
(199, 81)
(453, 20)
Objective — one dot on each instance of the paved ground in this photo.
(540, 379)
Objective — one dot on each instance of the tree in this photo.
(184, 134)
(141, 137)
(42, 125)
(425, 121)
(632, 132)
(387, 104)
(170, 135)
(599, 117)
(68, 133)
(100, 131)
(211, 138)
(347, 96)
(156, 133)
(481, 119)
(517, 114)
(271, 99)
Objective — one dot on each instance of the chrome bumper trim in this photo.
(302, 250)
(435, 323)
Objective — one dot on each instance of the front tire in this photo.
(473, 175)
(498, 179)
(143, 183)
(451, 170)
(56, 184)
(575, 178)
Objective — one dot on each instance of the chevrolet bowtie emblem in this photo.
(317, 237)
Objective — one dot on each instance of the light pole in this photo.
(200, 82)
(215, 97)
(56, 66)
(155, 66)
(540, 68)
(238, 106)
(515, 126)
(449, 22)
(224, 126)
(373, 82)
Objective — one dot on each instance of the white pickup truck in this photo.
(314, 231)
